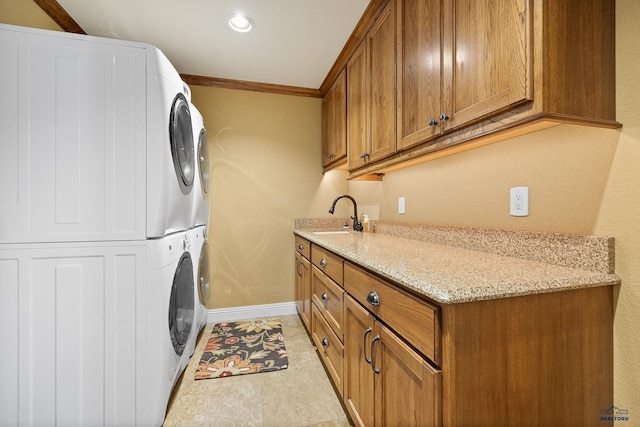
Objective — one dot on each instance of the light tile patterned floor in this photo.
(300, 395)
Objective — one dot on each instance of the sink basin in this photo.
(332, 232)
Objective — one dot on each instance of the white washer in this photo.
(170, 308)
(202, 278)
(171, 158)
(200, 213)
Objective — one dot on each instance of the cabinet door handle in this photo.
(433, 122)
(375, 370)
(373, 298)
(324, 297)
(364, 345)
(444, 117)
(325, 342)
(298, 269)
(323, 262)
(364, 155)
(330, 156)
(300, 246)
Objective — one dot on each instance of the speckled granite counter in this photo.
(458, 264)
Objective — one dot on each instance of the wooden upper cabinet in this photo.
(460, 61)
(334, 123)
(357, 120)
(371, 93)
(419, 70)
(487, 58)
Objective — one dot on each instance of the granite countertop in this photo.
(457, 264)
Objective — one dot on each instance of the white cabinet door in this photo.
(70, 320)
(72, 132)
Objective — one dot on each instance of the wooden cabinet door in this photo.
(303, 289)
(359, 381)
(407, 388)
(487, 50)
(357, 110)
(381, 48)
(419, 70)
(334, 122)
(371, 93)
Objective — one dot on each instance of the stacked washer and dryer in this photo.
(103, 220)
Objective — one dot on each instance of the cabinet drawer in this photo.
(328, 262)
(415, 320)
(303, 246)
(329, 299)
(329, 347)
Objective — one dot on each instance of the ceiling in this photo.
(294, 42)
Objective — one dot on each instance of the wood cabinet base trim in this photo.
(457, 142)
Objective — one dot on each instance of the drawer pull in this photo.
(300, 246)
(325, 342)
(324, 297)
(364, 345)
(323, 262)
(375, 370)
(373, 299)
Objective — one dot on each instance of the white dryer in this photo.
(200, 213)
(170, 307)
(171, 157)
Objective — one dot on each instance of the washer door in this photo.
(181, 137)
(181, 310)
(203, 162)
(203, 275)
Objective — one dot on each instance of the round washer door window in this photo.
(181, 310)
(203, 161)
(182, 146)
(203, 275)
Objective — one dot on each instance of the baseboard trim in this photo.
(250, 312)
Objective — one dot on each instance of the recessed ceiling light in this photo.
(240, 23)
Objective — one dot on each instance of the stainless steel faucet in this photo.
(357, 226)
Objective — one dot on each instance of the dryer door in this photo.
(181, 136)
(181, 304)
(203, 275)
(203, 162)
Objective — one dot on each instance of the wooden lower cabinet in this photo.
(387, 383)
(399, 360)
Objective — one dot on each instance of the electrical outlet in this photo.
(519, 205)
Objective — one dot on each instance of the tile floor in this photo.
(300, 395)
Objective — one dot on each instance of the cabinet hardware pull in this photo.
(298, 269)
(300, 246)
(330, 156)
(444, 117)
(433, 122)
(376, 338)
(364, 345)
(325, 342)
(323, 262)
(373, 298)
(324, 297)
(364, 155)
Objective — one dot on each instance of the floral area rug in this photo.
(245, 347)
